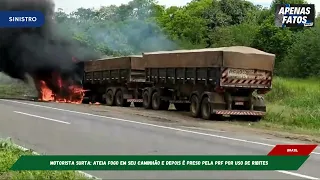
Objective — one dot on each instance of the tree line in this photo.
(144, 25)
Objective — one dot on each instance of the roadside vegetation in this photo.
(9, 154)
(293, 105)
(13, 88)
(143, 25)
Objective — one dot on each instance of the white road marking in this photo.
(315, 153)
(171, 128)
(203, 129)
(41, 117)
(298, 175)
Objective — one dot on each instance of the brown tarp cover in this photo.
(234, 57)
(128, 62)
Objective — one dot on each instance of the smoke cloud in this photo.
(120, 30)
(137, 36)
(38, 51)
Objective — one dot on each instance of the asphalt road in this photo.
(53, 128)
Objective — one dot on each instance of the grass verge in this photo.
(9, 154)
(13, 88)
(18, 91)
(293, 105)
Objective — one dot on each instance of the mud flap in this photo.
(259, 104)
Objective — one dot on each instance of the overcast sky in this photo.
(71, 5)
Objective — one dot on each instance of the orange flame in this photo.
(46, 94)
(75, 93)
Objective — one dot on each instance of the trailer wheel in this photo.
(110, 98)
(138, 104)
(146, 100)
(182, 106)
(157, 103)
(206, 109)
(195, 106)
(120, 101)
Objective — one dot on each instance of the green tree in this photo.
(144, 25)
(274, 39)
(302, 59)
(236, 35)
(186, 24)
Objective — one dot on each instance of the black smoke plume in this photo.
(39, 52)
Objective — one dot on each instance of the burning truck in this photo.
(208, 82)
(44, 53)
(59, 85)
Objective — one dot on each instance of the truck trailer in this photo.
(114, 81)
(212, 81)
(207, 82)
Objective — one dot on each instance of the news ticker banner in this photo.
(281, 157)
(21, 19)
(295, 15)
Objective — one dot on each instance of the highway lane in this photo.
(49, 129)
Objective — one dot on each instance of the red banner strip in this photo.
(292, 150)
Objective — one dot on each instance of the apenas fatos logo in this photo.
(293, 15)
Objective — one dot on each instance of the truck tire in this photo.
(182, 106)
(157, 103)
(146, 100)
(110, 98)
(195, 106)
(206, 109)
(138, 104)
(120, 101)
